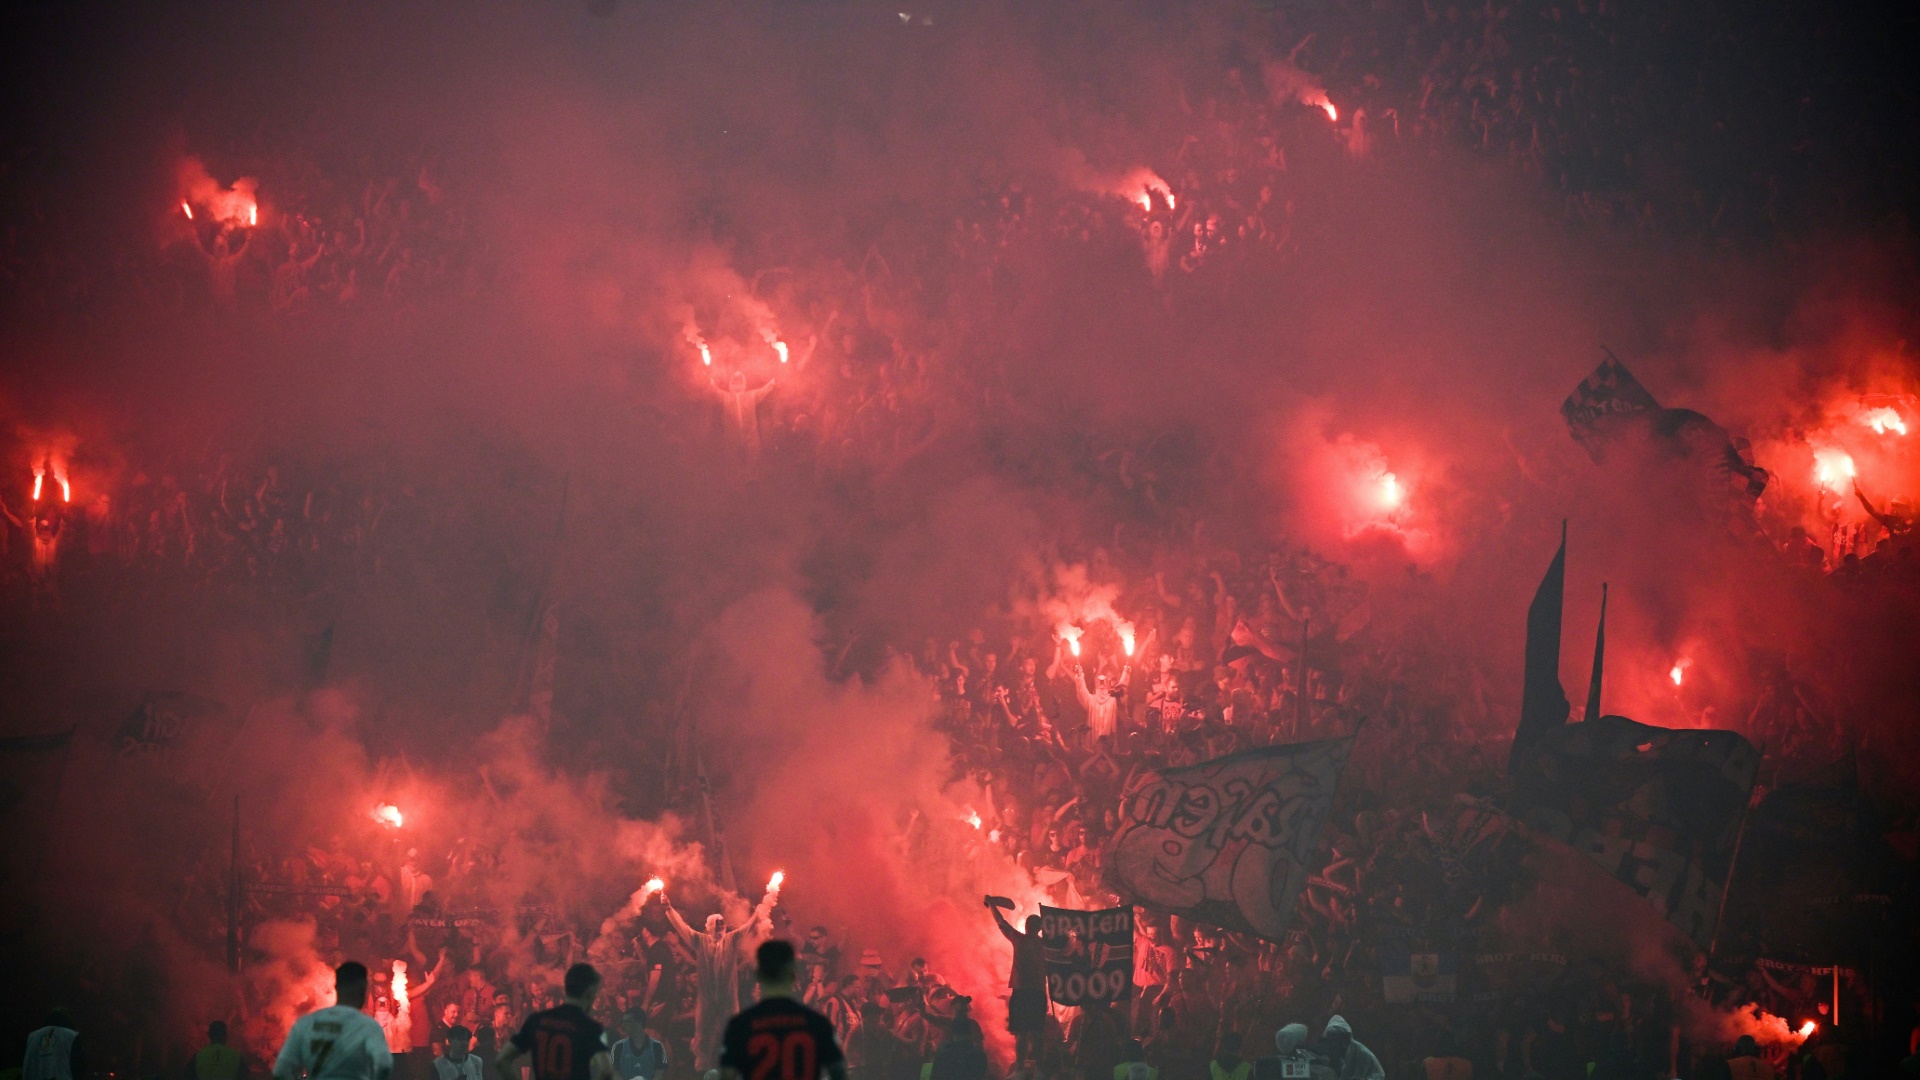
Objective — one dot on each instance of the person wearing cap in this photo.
(1745, 1063)
(1349, 1056)
(455, 1062)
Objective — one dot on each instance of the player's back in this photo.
(336, 1043)
(779, 1039)
(561, 1042)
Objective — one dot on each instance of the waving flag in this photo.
(1226, 842)
(1659, 809)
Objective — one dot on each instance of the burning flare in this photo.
(1883, 420)
(1140, 186)
(1126, 639)
(1833, 467)
(1391, 493)
(58, 467)
(399, 1037)
(235, 207)
(972, 818)
(781, 348)
(1679, 673)
(1324, 104)
(773, 883)
(389, 815)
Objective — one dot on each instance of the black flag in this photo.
(1543, 702)
(1658, 809)
(1599, 661)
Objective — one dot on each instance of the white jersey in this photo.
(467, 1068)
(337, 1043)
(49, 1054)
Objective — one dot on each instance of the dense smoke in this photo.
(631, 208)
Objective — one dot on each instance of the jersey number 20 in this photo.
(794, 1053)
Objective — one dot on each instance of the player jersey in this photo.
(335, 1043)
(561, 1043)
(467, 1068)
(779, 1039)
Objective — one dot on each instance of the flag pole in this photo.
(233, 894)
(1733, 866)
(1300, 689)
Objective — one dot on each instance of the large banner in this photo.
(1226, 842)
(1817, 881)
(1657, 808)
(1089, 954)
(171, 727)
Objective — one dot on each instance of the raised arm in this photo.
(1055, 668)
(680, 928)
(763, 912)
(1006, 927)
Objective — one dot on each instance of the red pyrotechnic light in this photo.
(389, 815)
(187, 208)
(1808, 1028)
(1678, 674)
(1833, 467)
(1883, 420)
(1391, 493)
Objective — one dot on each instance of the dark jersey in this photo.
(779, 1039)
(561, 1043)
